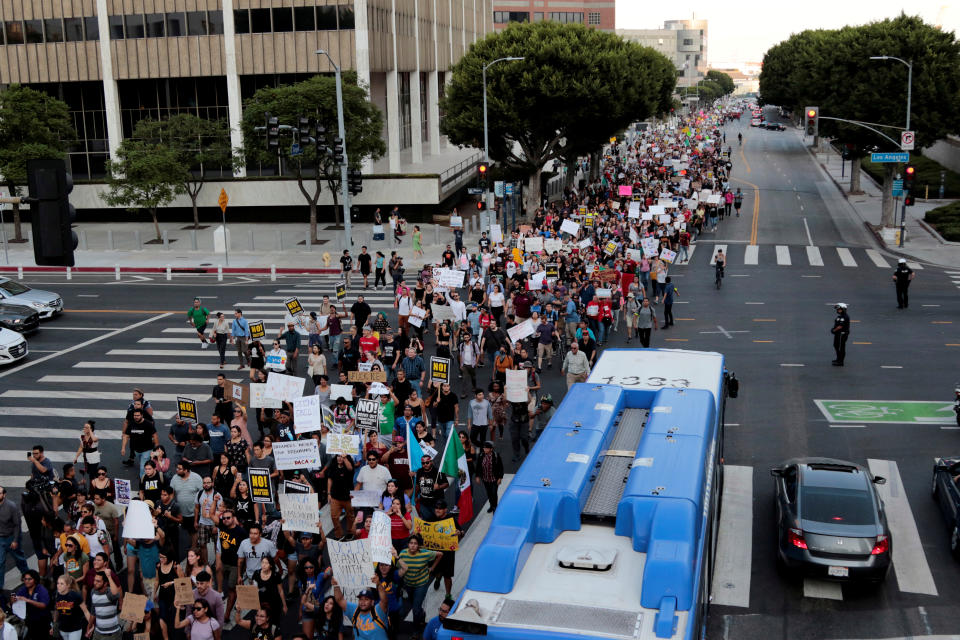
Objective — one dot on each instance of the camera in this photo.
(29, 454)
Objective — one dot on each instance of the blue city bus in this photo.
(609, 528)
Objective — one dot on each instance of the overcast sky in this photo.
(742, 31)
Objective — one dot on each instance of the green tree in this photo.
(315, 98)
(146, 175)
(33, 126)
(574, 89)
(722, 79)
(200, 145)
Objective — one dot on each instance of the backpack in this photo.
(373, 614)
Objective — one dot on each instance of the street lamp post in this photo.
(342, 133)
(909, 65)
(486, 132)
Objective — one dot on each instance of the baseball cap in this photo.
(368, 593)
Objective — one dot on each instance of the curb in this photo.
(933, 232)
(173, 270)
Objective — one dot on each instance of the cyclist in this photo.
(721, 262)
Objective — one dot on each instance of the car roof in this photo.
(830, 472)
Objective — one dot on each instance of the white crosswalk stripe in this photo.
(146, 381)
(752, 255)
(877, 258)
(716, 248)
(814, 257)
(846, 257)
(783, 255)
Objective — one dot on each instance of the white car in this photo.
(47, 303)
(13, 346)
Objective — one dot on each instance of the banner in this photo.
(261, 488)
(284, 387)
(585, 243)
(306, 414)
(293, 306)
(121, 488)
(533, 244)
(299, 454)
(187, 409)
(442, 312)
(440, 369)
(277, 362)
(381, 544)
(365, 498)
(571, 227)
(256, 330)
(290, 486)
(635, 254)
(259, 399)
(520, 331)
(553, 271)
(368, 413)
(625, 190)
(341, 290)
(352, 565)
(438, 536)
(668, 256)
(343, 444)
(237, 392)
(300, 512)
(366, 376)
(516, 385)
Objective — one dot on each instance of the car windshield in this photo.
(13, 288)
(836, 506)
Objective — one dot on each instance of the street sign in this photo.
(295, 149)
(498, 188)
(890, 157)
(474, 191)
(897, 188)
(223, 200)
(906, 140)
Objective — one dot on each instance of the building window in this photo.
(424, 110)
(303, 19)
(593, 18)
(91, 28)
(282, 19)
(441, 92)
(134, 26)
(155, 25)
(687, 42)
(34, 31)
(566, 17)
(176, 25)
(538, 16)
(501, 17)
(53, 30)
(345, 14)
(259, 20)
(241, 21)
(326, 18)
(14, 31)
(116, 27)
(73, 29)
(215, 22)
(197, 23)
(403, 90)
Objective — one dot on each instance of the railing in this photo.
(454, 173)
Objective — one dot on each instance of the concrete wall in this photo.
(946, 152)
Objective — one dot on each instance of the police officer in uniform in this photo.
(902, 277)
(841, 331)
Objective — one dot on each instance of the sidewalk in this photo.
(921, 242)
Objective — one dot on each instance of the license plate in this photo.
(838, 572)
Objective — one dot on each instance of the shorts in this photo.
(544, 350)
(230, 574)
(201, 328)
(206, 533)
(446, 565)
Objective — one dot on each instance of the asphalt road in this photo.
(771, 320)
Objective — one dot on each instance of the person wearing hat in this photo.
(489, 468)
(369, 613)
(902, 278)
(840, 331)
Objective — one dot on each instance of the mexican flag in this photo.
(454, 464)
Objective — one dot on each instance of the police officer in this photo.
(841, 331)
(901, 278)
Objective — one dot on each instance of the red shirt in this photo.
(369, 343)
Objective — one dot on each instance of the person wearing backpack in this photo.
(368, 614)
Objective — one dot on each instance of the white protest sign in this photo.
(520, 331)
(299, 454)
(634, 210)
(571, 227)
(496, 235)
(647, 215)
(416, 321)
(456, 221)
(656, 210)
(352, 565)
(511, 269)
(634, 238)
(365, 498)
(284, 387)
(668, 256)
(583, 244)
(343, 443)
(604, 293)
(665, 218)
(344, 391)
(442, 312)
(634, 254)
(713, 198)
(516, 385)
(650, 246)
(537, 280)
(451, 278)
(258, 398)
(533, 244)
(551, 245)
(300, 512)
(381, 544)
(306, 414)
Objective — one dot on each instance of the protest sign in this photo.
(635, 254)
(187, 409)
(275, 362)
(608, 275)
(368, 413)
(362, 498)
(634, 211)
(381, 544)
(713, 198)
(344, 391)
(665, 218)
(284, 387)
(261, 487)
(299, 454)
(604, 293)
(343, 444)
(553, 271)
(237, 392)
(416, 318)
(496, 234)
(257, 331)
(516, 385)
(520, 331)
(610, 248)
(352, 565)
(585, 243)
(536, 281)
(366, 376)
(650, 246)
(259, 399)
(511, 269)
(440, 369)
(182, 592)
(569, 226)
(533, 244)
(588, 220)
(293, 306)
(341, 290)
(456, 221)
(438, 536)
(625, 190)
(295, 487)
(139, 636)
(299, 512)
(552, 245)
(248, 596)
(306, 414)
(442, 312)
(451, 278)
(668, 256)
(121, 489)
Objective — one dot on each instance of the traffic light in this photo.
(273, 132)
(908, 174)
(480, 206)
(320, 141)
(482, 169)
(51, 213)
(812, 120)
(908, 200)
(338, 151)
(303, 126)
(354, 181)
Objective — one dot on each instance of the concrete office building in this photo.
(117, 61)
(683, 41)
(593, 13)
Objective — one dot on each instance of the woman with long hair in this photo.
(311, 585)
(270, 585)
(202, 625)
(101, 484)
(258, 623)
(246, 510)
(225, 474)
(192, 566)
(316, 364)
(69, 611)
(167, 573)
(237, 449)
(89, 450)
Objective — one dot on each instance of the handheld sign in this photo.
(368, 413)
(182, 592)
(366, 376)
(248, 596)
(440, 369)
(293, 305)
(256, 330)
(261, 488)
(553, 271)
(298, 454)
(341, 291)
(237, 392)
(121, 488)
(187, 409)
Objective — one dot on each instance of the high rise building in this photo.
(593, 13)
(683, 41)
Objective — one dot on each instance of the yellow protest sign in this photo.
(438, 536)
(187, 409)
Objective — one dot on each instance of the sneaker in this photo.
(490, 510)
(204, 345)
(436, 583)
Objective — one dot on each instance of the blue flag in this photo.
(414, 452)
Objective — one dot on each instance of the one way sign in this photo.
(906, 140)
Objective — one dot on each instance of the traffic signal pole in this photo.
(342, 132)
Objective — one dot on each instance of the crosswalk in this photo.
(783, 255)
(954, 278)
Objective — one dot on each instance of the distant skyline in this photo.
(742, 32)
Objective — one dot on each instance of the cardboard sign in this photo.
(299, 454)
(344, 391)
(261, 488)
(284, 387)
(533, 244)
(293, 306)
(379, 536)
(306, 414)
(635, 254)
(367, 376)
(440, 369)
(364, 498)
(121, 488)
(290, 486)
(520, 331)
(569, 226)
(237, 392)
(553, 271)
(442, 313)
(352, 565)
(187, 409)
(438, 536)
(133, 607)
(341, 290)
(516, 385)
(182, 592)
(299, 512)
(552, 245)
(248, 596)
(257, 331)
(343, 444)
(608, 275)
(368, 413)
(259, 399)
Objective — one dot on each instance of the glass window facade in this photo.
(196, 23)
(156, 23)
(134, 26)
(91, 28)
(73, 29)
(53, 30)
(502, 17)
(282, 19)
(14, 31)
(33, 30)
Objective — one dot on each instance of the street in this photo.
(790, 257)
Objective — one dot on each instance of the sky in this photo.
(741, 31)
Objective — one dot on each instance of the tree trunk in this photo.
(887, 208)
(17, 232)
(313, 220)
(196, 213)
(156, 224)
(855, 176)
(531, 199)
(571, 176)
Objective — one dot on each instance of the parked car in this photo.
(18, 317)
(13, 346)
(831, 522)
(774, 126)
(946, 472)
(756, 122)
(47, 303)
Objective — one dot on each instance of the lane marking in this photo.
(791, 364)
(807, 227)
(85, 395)
(56, 328)
(846, 257)
(756, 208)
(810, 276)
(814, 257)
(765, 341)
(929, 305)
(877, 258)
(941, 322)
(66, 412)
(764, 319)
(192, 382)
(676, 339)
(88, 295)
(914, 265)
(862, 343)
(754, 303)
(848, 426)
(752, 255)
(179, 353)
(148, 366)
(743, 158)
(85, 344)
(822, 589)
(731, 580)
(890, 366)
(783, 255)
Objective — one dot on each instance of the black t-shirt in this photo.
(361, 311)
(484, 244)
(346, 262)
(445, 406)
(141, 435)
(427, 485)
(402, 390)
(342, 480)
(269, 632)
(364, 261)
(230, 538)
(172, 509)
(389, 350)
(70, 617)
(903, 274)
(151, 485)
(244, 510)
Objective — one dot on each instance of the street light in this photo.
(486, 140)
(344, 186)
(909, 65)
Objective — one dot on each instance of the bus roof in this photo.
(660, 368)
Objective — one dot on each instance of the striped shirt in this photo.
(418, 567)
(104, 608)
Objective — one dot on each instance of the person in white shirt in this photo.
(373, 477)
(458, 307)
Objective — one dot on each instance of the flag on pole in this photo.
(454, 465)
(414, 452)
